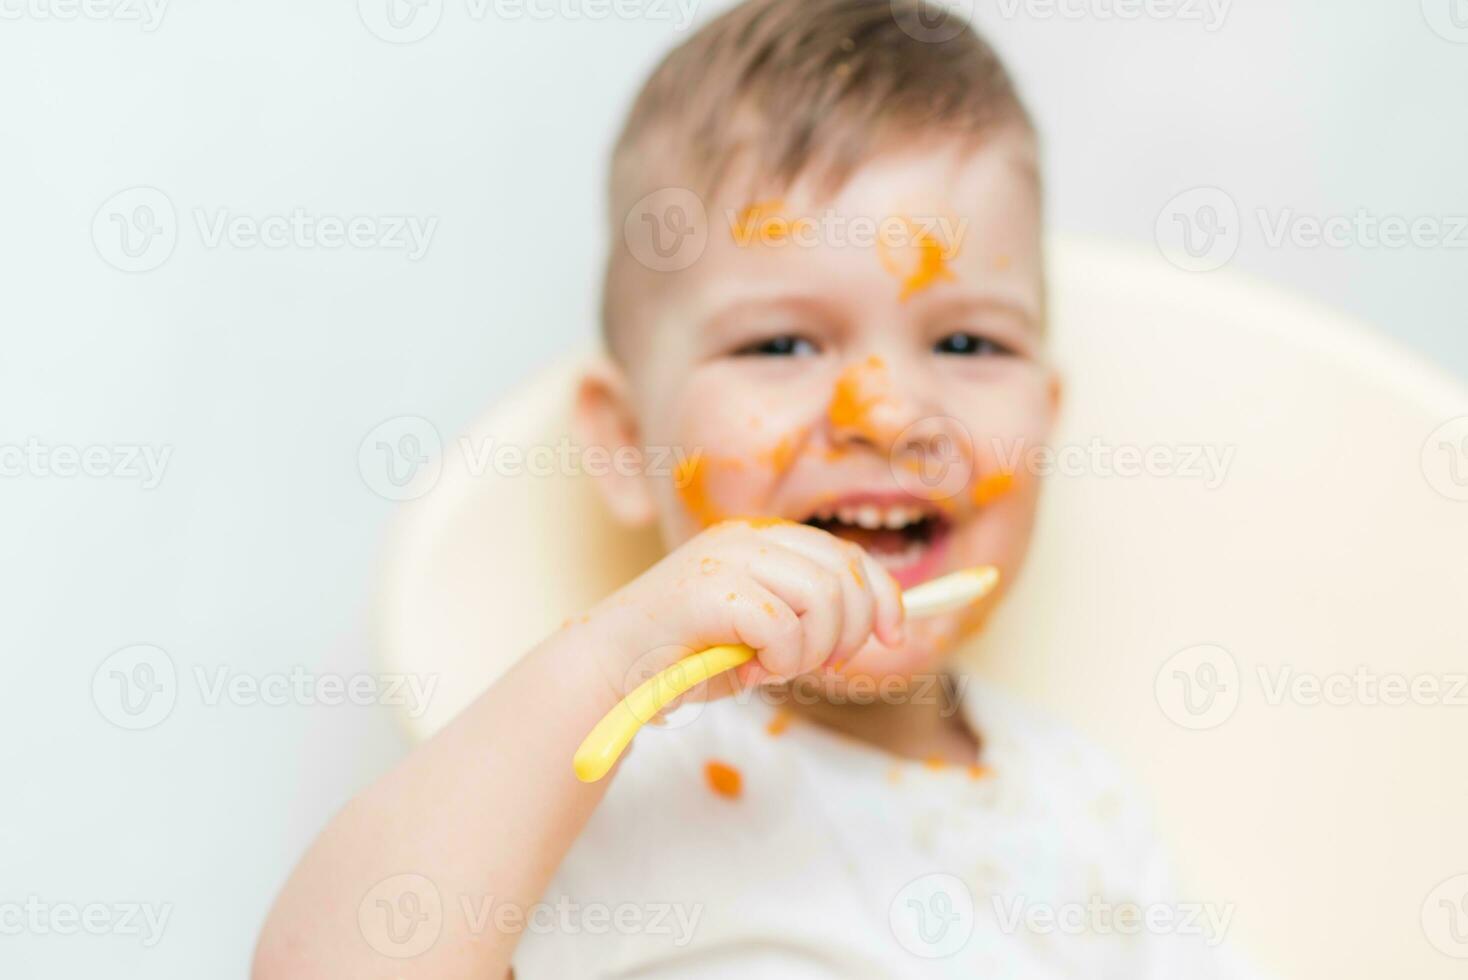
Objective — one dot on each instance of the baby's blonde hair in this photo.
(788, 89)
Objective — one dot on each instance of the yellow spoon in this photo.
(601, 749)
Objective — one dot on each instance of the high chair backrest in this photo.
(1249, 581)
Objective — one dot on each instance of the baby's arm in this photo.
(489, 805)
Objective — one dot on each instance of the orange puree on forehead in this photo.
(931, 266)
(761, 221)
(723, 779)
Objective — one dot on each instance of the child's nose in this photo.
(873, 404)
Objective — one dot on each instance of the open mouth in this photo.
(906, 538)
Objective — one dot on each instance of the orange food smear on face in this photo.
(724, 779)
(990, 488)
(689, 479)
(781, 456)
(931, 266)
(977, 771)
(935, 762)
(708, 566)
(859, 389)
(778, 724)
(1002, 262)
(836, 666)
(854, 567)
(761, 221)
(769, 610)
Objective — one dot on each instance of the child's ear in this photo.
(602, 415)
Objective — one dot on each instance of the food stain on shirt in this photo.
(723, 779)
(779, 724)
(979, 771)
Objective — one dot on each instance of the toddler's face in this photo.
(881, 389)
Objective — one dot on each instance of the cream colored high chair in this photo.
(1236, 627)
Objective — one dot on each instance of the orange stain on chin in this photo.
(854, 567)
(723, 779)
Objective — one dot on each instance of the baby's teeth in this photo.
(869, 517)
(898, 517)
(846, 515)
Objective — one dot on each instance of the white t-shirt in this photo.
(837, 860)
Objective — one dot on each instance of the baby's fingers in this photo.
(815, 595)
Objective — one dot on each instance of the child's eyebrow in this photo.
(956, 307)
(728, 315)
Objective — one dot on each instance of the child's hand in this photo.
(801, 597)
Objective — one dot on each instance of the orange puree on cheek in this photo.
(689, 480)
(723, 779)
(990, 488)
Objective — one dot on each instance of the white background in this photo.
(261, 370)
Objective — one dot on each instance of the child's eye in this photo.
(971, 345)
(785, 345)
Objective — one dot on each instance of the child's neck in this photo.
(921, 723)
